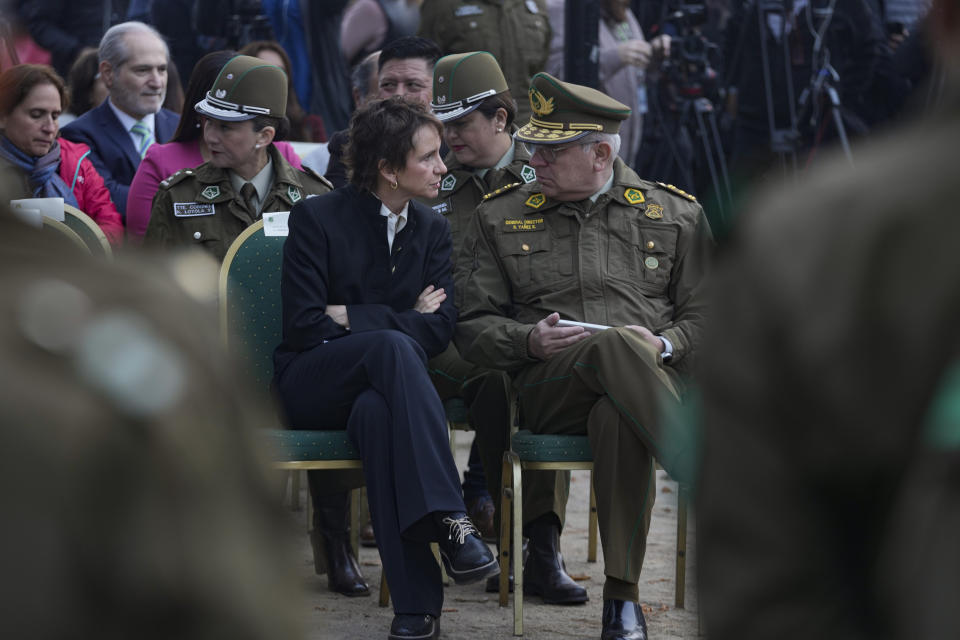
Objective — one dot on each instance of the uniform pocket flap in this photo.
(521, 244)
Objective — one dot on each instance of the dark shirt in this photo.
(337, 253)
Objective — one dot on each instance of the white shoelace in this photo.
(461, 527)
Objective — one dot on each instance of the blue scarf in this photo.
(41, 172)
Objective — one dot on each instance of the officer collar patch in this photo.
(448, 183)
(294, 194)
(528, 173)
(653, 211)
(633, 196)
(535, 201)
(211, 192)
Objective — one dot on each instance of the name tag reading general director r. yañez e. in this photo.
(513, 225)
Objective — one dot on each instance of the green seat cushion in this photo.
(295, 445)
(531, 447)
(455, 409)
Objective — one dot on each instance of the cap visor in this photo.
(452, 114)
(205, 108)
(539, 135)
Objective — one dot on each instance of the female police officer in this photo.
(210, 205)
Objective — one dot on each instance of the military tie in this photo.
(248, 192)
(146, 137)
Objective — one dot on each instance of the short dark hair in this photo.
(201, 79)
(281, 126)
(382, 131)
(502, 100)
(17, 81)
(409, 47)
(83, 73)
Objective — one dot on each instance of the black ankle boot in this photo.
(543, 572)
(332, 553)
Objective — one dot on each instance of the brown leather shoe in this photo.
(481, 511)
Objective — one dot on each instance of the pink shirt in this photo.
(161, 162)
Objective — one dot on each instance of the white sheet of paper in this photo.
(48, 208)
(275, 223)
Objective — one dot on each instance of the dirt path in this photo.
(471, 614)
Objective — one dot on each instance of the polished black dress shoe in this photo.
(544, 573)
(623, 620)
(413, 627)
(465, 556)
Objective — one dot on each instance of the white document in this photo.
(32, 210)
(592, 328)
(275, 223)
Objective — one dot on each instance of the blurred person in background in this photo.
(31, 100)
(185, 150)
(210, 205)
(516, 32)
(85, 84)
(303, 127)
(133, 65)
(829, 493)
(624, 57)
(369, 24)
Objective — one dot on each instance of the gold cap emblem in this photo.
(541, 105)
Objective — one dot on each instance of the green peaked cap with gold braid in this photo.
(563, 111)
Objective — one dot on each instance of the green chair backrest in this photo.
(250, 308)
(88, 230)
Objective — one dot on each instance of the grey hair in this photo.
(612, 139)
(362, 72)
(113, 46)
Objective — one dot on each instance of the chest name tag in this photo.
(468, 10)
(515, 225)
(192, 209)
(442, 208)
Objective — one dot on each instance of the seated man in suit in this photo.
(133, 65)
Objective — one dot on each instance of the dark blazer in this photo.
(111, 149)
(337, 253)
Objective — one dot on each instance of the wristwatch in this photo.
(667, 353)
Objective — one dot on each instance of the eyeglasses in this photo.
(550, 152)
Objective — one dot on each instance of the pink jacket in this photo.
(161, 162)
(88, 188)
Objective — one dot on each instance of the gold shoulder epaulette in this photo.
(496, 192)
(179, 176)
(680, 192)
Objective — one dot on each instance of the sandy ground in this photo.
(469, 613)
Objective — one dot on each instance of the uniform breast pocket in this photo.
(473, 32)
(527, 258)
(657, 252)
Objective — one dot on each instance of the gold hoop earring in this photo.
(393, 185)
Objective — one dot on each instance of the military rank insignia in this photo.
(653, 211)
(536, 201)
(448, 183)
(528, 173)
(503, 189)
(677, 190)
(211, 192)
(633, 196)
(294, 194)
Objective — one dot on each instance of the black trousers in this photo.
(375, 384)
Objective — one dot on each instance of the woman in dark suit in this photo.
(367, 299)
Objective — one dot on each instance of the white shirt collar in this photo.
(395, 221)
(603, 189)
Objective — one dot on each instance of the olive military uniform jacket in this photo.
(461, 190)
(516, 32)
(638, 255)
(199, 206)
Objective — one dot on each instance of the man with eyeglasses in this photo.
(590, 242)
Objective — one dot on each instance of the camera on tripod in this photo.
(689, 72)
(237, 21)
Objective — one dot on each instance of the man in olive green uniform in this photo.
(589, 241)
(829, 498)
(152, 516)
(516, 32)
(209, 206)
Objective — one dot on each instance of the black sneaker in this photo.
(465, 556)
(414, 627)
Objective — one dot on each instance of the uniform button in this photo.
(650, 245)
(188, 172)
(197, 235)
(393, 268)
(525, 246)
